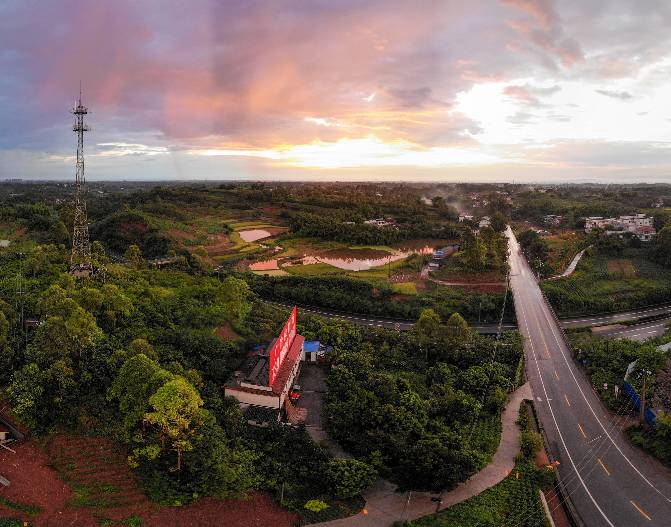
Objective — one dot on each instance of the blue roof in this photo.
(311, 346)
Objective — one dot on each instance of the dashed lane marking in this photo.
(603, 466)
(639, 509)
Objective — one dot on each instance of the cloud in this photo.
(614, 94)
(544, 30)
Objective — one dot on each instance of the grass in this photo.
(405, 288)
(513, 501)
(602, 284)
(486, 437)
(318, 269)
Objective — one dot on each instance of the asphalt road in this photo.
(640, 332)
(370, 320)
(608, 481)
(614, 318)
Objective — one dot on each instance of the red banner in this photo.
(281, 347)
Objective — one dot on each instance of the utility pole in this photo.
(80, 261)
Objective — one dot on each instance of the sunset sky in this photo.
(469, 90)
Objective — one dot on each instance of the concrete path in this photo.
(570, 269)
(385, 505)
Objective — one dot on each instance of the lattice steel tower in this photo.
(80, 261)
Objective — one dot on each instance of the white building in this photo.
(640, 225)
(263, 384)
(485, 221)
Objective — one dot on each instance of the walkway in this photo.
(385, 505)
(570, 269)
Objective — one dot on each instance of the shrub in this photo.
(349, 477)
(530, 443)
(316, 505)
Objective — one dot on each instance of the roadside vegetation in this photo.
(606, 363)
(421, 407)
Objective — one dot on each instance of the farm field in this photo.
(77, 480)
(603, 284)
(563, 248)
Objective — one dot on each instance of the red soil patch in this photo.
(99, 466)
(226, 333)
(274, 231)
(180, 235)
(220, 243)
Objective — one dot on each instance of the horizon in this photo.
(524, 91)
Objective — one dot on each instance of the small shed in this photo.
(310, 350)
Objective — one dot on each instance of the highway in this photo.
(608, 482)
(372, 321)
(640, 331)
(614, 318)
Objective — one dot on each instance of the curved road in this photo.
(609, 483)
(638, 331)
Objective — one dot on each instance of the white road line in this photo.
(560, 344)
(561, 436)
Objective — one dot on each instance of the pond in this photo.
(362, 259)
(252, 235)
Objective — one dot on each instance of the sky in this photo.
(421, 90)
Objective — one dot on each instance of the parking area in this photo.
(312, 381)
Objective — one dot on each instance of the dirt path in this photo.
(385, 505)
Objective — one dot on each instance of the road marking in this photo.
(567, 401)
(546, 314)
(604, 467)
(561, 436)
(556, 376)
(582, 431)
(639, 509)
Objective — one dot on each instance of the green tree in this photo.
(58, 234)
(137, 380)
(134, 256)
(499, 222)
(176, 415)
(473, 251)
(98, 254)
(348, 478)
(234, 295)
(663, 246)
(457, 328)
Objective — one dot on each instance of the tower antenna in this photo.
(80, 261)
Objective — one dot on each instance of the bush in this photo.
(316, 505)
(348, 478)
(530, 443)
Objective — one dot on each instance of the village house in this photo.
(639, 225)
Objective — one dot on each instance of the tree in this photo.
(233, 294)
(348, 478)
(138, 378)
(176, 415)
(98, 254)
(6, 352)
(134, 256)
(457, 328)
(427, 324)
(663, 246)
(499, 222)
(58, 234)
(474, 251)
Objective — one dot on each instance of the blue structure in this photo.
(650, 416)
(310, 350)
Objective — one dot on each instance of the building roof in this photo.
(311, 346)
(293, 356)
